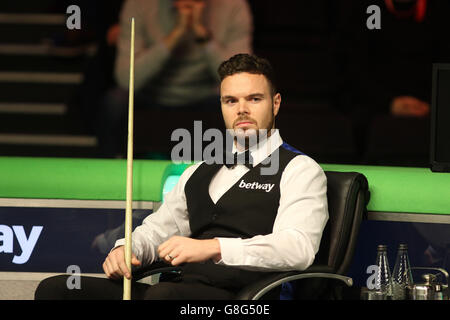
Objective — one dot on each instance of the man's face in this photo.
(247, 103)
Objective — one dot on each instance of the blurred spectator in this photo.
(388, 70)
(178, 47)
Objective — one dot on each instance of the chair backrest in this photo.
(348, 195)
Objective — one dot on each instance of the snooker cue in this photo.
(129, 196)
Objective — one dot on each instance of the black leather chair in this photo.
(348, 195)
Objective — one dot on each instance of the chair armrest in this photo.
(154, 268)
(256, 290)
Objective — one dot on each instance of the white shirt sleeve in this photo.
(171, 219)
(298, 227)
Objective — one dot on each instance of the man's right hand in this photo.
(115, 266)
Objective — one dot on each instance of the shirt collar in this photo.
(264, 148)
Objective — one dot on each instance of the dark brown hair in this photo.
(243, 62)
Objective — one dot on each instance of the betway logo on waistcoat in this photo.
(256, 186)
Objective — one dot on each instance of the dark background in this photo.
(336, 78)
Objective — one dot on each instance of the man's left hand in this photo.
(178, 250)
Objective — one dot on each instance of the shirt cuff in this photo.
(120, 242)
(232, 251)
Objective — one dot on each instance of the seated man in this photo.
(226, 226)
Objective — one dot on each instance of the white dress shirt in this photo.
(297, 230)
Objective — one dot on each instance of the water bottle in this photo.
(383, 281)
(402, 276)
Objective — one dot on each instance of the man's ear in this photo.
(276, 103)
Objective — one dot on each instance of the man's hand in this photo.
(115, 266)
(184, 23)
(190, 17)
(409, 106)
(178, 250)
(198, 27)
(184, 9)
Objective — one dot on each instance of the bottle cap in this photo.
(382, 247)
(403, 246)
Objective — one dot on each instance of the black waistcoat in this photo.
(247, 209)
